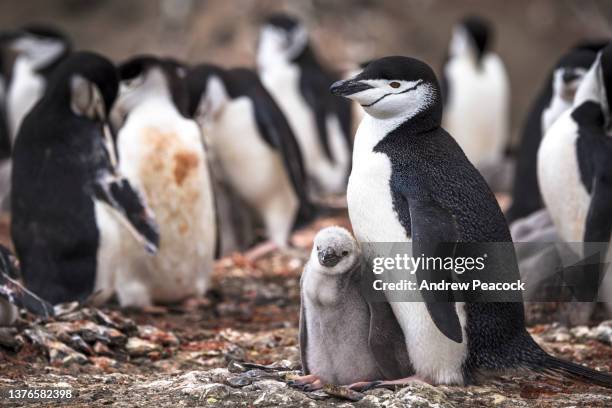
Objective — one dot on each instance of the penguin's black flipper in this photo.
(433, 235)
(118, 193)
(14, 292)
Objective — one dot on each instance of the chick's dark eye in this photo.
(394, 84)
(344, 253)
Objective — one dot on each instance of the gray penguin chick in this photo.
(335, 318)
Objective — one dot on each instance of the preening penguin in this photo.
(162, 153)
(574, 167)
(13, 295)
(411, 181)
(255, 145)
(298, 82)
(554, 99)
(335, 318)
(476, 87)
(64, 158)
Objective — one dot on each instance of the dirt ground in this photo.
(194, 354)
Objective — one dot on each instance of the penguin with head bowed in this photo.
(13, 295)
(574, 172)
(298, 82)
(250, 136)
(412, 182)
(68, 199)
(161, 152)
(475, 86)
(555, 98)
(335, 318)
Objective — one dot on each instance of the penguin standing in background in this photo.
(574, 170)
(476, 94)
(29, 57)
(299, 84)
(556, 97)
(68, 200)
(411, 182)
(249, 135)
(335, 318)
(161, 152)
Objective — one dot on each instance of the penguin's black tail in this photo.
(575, 371)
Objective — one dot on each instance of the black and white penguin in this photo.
(29, 56)
(161, 152)
(68, 200)
(475, 86)
(573, 166)
(554, 99)
(412, 182)
(13, 295)
(250, 135)
(299, 83)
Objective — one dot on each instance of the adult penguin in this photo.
(68, 199)
(412, 182)
(291, 72)
(554, 99)
(476, 87)
(161, 152)
(574, 172)
(250, 136)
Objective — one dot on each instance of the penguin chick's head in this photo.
(335, 250)
(471, 37)
(147, 77)
(88, 83)
(206, 87)
(394, 88)
(569, 72)
(281, 40)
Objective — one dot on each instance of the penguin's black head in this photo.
(207, 91)
(88, 82)
(43, 46)
(472, 36)
(394, 88)
(335, 250)
(146, 76)
(569, 72)
(282, 39)
(596, 86)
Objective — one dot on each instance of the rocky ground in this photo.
(238, 347)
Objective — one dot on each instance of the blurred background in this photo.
(529, 35)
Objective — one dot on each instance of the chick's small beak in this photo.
(328, 257)
(348, 87)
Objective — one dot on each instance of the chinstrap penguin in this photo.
(298, 82)
(335, 317)
(411, 181)
(574, 172)
(554, 99)
(64, 157)
(161, 152)
(475, 86)
(250, 136)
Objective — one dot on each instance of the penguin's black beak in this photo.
(348, 87)
(328, 258)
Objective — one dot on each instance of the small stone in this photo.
(603, 332)
(156, 335)
(137, 347)
(102, 349)
(239, 381)
(343, 392)
(10, 339)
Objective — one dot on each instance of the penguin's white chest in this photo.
(565, 196)
(24, 91)
(161, 154)
(370, 202)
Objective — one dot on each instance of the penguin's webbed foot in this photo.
(307, 383)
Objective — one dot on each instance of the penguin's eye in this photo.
(344, 253)
(394, 84)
